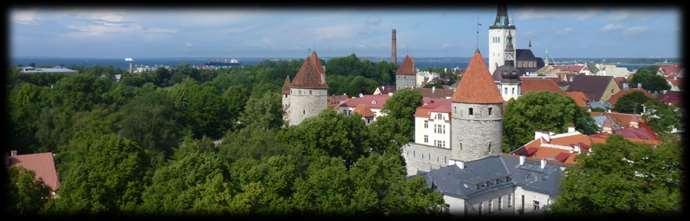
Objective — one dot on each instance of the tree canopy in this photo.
(631, 102)
(649, 79)
(623, 177)
(542, 111)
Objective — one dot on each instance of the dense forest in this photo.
(200, 141)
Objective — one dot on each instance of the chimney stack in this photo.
(394, 49)
(522, 160)
(543, 163)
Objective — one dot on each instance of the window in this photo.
(490, 111)
(489, 147)
(435, 143)
(522, 207)
(513, 91)
(426, 138)
(508, 204)
(309, 92)
(470, 111)
(426, 124)
(480, 208)
(490, 205)
(505, 90)
(536, 205)
(460, 145)
(444, 129)
(499, 203)
(304, 112)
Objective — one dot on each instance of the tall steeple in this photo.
(502, 20)
(509, 52)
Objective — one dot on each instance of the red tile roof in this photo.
(538, 85)
(670, 69)
(373, 101)
(614, 98)
(311, 75)
(672, 97)
(364, 110)
(477, 86)
(336, 100)
(438, 105)
(407, 67)
(579, 98)
(42, 164)
(576, 68)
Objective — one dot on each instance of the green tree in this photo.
(649, 79)
(541, 111)
(402, 105)
(201, 108)
(662, 118)
(196, 180)
(326, 189)
(622, 177)
(25, 103)
(262, 110)
(150, 120)
(101, 172)
(26, 194)
(631, 103)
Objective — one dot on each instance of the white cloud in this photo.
(334, 32)
(25, 17)
(635, 30)
(611, 27)
(565, 30)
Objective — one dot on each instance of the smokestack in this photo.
(394, 49)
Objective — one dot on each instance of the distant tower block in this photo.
(130, 61)
(394, 49)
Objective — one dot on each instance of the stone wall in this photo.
(419, 157)
(305, 103)
(477, 135)
(405, 81)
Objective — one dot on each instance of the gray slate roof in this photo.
(592, 86)
(462, 183)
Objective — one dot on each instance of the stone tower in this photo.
(394, 49)
(406, 76)
(477, 115)
(306, 95)
(498, 35)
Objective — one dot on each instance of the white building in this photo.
(497, 184)
(56, 69)
(424, 77)
(612, 70)
(432, 123)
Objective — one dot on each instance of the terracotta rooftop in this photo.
(579, 98)
(364, 110)
(536, 149)
(477, 86)
(407, 67)
(372, 101)
(43, 166)
(614, 98)
(538, 84)
(576, 68)
(439, 105)
(336, 100)
(670, 69)
(311, 75)
(672, 97)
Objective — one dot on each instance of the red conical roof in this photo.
(311, 74)
(407, 67)
(477, 86)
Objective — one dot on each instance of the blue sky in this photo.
(251, 32)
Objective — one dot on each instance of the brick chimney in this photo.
(394, 48)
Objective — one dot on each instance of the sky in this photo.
(254, 32)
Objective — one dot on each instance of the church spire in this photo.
(502, 20)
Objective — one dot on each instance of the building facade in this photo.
(306, 95)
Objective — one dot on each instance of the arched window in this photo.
(490, 111)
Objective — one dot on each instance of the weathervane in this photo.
(477, 32)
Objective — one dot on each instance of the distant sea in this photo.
(421, 62)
